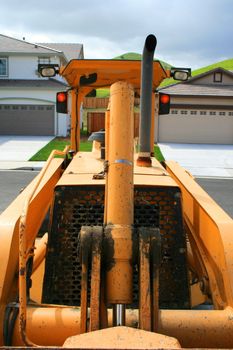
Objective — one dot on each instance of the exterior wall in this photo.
(35, 96)
(209, 80)
(196, 129)
(25, 67)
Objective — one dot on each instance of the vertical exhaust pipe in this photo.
(144, 158)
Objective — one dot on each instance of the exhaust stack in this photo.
(144, 158)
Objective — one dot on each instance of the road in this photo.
(221, 190)
(11, 182)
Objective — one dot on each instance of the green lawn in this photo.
(58, 144)
(85, 146)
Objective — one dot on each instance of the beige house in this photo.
(201, 110)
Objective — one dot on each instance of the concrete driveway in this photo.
(201, 160)
(21, 148)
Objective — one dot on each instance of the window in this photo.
(222, 113)
(212, 113)
(217, 77)
(184, 112)
(230, 114)
(193, 112)
(3, 67)
(203, 113)
(43, 60)
(174, 111)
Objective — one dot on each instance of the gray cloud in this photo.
(192, 33)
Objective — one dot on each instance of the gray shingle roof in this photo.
(71, 51)
(12, 45)
(27, 83)
(199, 90)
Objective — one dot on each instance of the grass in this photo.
(59, 144)
(158, 154)
(85, 146)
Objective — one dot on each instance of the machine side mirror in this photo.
(181, 74)
(48, 70)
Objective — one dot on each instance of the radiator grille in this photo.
(76, 206)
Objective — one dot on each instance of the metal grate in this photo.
(76, 206)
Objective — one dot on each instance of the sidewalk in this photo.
(16, 150)
(201, 160)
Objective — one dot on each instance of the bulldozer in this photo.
(136, 254)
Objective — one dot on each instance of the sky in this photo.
(190, 33)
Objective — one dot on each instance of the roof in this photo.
(71, 51)
(67, 50)
(12, 45)
(27, 83)
(192, 88)
(199, 90)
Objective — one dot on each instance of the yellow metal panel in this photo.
(212, 230)
(9, 230)
(109, 72)
(85, 164)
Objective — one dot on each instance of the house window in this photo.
(212, 113)
(203, 113)
(174, 111)
(43, 60)
(184, 112)
(222, 113)
(217, 77)
(230, 114)
(193, 112)
(3, 67)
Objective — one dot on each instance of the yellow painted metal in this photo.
(109, 72)
(40, 251)
(210, 231)
(26, 251)
(9, 231)
(119, 204)
(192, 328)
(107, 122)
(86, 164)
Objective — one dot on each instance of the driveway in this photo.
(201, 160)
(21, 148)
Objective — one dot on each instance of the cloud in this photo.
(190, 32)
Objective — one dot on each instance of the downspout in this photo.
(144, 158)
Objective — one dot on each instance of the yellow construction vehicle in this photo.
(137, 255)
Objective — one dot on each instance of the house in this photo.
(201, 110)
(27, 100)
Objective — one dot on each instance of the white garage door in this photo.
(197, 126)
(35, 120)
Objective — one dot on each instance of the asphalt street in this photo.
(221, 190)
(11, 182)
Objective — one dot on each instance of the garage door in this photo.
(214, 127)
(26, 120)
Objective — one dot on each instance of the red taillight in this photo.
(61, 102)
(61, 97)
(164, 103)
(165, 99)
